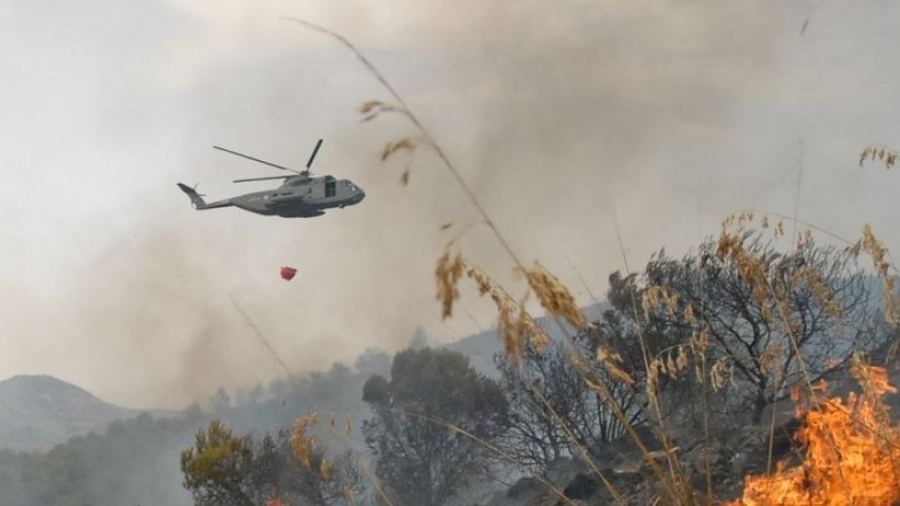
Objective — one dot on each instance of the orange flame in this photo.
(852, 454)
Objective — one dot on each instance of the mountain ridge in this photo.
(39, 411)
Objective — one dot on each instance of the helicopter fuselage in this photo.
(301, 197)
(298, 197)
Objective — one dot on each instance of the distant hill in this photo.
(38, 412)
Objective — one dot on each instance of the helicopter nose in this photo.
(361, 195)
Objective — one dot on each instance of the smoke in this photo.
(559, 115)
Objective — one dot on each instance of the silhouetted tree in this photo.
(416, 435)
(543, 393)
(561, 398)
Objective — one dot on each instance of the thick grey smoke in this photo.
(561, 115)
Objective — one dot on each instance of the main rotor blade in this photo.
(270, 164)
(313, 156)
(267, 178)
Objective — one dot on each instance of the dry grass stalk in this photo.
(875, 249)
(403, 144)
(515, 325)
(505, 308)
(372, 108)
(302, 444)
(325, 470)
(554, 296)
(612, 362)
(527, 328)
(700, 341)
(749, 267)
(673, 362)
(448, 273)
(722, 370)
(651, 300)
(404, 177)
(880, 256)
(653, 375)
(822, 293)
(745, 218)
(883, 154)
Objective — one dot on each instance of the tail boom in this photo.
(198, 201)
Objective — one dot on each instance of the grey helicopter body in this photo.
(299, 196)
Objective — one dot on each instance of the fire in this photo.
(851, 454)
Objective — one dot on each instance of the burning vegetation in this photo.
(851, 452)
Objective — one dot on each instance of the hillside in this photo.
(38, 412)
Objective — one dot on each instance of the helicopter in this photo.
(299, 196)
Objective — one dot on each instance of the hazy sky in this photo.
(668, 115)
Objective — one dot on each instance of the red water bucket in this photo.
(287, 273)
